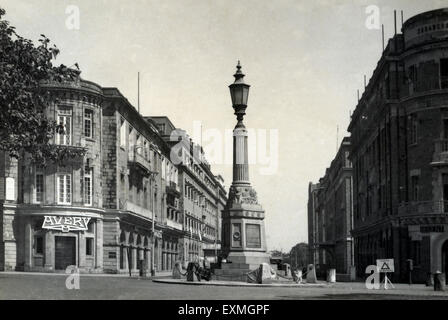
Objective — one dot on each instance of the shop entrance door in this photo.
(65, 253)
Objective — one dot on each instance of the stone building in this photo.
(139, 188)
(52, 216)
(399, 134)
(203, 195)
(119, 208)
(330, 217)
(313, 257)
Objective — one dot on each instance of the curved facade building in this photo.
(399, 135)
(53, 214)
(117, 208)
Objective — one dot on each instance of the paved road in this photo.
(52, 286)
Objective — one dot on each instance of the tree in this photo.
(299, 255)
(24, 68)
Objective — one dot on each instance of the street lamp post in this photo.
(243, 216)
(152, 175)
(202, 233)
(216, 224)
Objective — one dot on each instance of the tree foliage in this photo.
(299, 255)
(24, 125)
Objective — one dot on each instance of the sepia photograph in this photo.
(223, 155)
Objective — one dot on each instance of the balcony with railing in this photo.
(136, 158)
(134, 208)
(173, 188)
(174, 224)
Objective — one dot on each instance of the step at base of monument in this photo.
(248, 266)
(254, 258)
(231, 271)
(231, 274)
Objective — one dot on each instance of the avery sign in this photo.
(66, 224)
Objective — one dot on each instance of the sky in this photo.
(304, 60)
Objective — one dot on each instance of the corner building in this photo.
(399, 136)
(66, 197)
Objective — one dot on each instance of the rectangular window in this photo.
(138, 144)
(65, 119)
(414, 129)
(415, 188)
(39, 186)
(64, 188)
(163, 169)
(156, 166)
(89, 246)
(445, 129)
(146, 149)
(444, 73)
(413, 77)
(161, 127)
(123, 135)
(348, 163)
(88, 123)
(88, 186)
(90, 227)
(39, 245)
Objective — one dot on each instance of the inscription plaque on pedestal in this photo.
(253, 236)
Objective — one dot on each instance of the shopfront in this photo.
(54, 242)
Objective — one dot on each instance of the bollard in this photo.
(311, 274)
(352, 273)
(177, 270)
(143, 268)
(331, 275)
(439, 281)
(429, 279)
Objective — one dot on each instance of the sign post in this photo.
(385, 266)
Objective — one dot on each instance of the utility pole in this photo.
(217, 223)
(152, 180)
(138, 92)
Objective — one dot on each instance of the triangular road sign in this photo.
(385, 266)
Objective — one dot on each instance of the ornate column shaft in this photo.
(240, 155)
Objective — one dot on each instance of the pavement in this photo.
(52, 286)
(221, 283)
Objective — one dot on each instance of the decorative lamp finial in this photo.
(239, 74)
